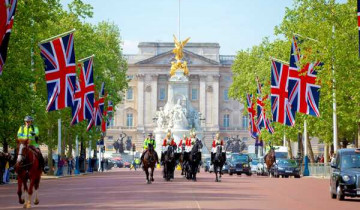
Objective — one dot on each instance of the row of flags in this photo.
(66, 89)
(294, 88)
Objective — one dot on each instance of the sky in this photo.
(234, 24)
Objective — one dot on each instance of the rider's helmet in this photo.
(184, 136)
(168, 135)
(28, 119)
(150, 134)
(217, 137)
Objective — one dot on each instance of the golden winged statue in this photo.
(178, 51)
(179, 45)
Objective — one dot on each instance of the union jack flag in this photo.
(253, 130)
(84, 93)
(110, 109)
(7, 13)
(60, 71)
(303, 92)
(280, 106)
(98, 109)
(262, 120)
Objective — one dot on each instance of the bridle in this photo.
(23, 144)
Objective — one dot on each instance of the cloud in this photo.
(130, 47)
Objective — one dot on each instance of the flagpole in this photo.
(335, 135)
(315, 40)
(179, 20)
(59, 169)
(305, 139)
(306, 159)
(54, 37)
(284, 140)
(275, 59)
(87, 58)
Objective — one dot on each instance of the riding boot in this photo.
(142, 159)
(42, 162)
(157, 158)
(212, 158)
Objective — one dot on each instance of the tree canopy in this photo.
(333, 26)
(23, 86)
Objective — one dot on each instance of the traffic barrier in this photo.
(320, 169)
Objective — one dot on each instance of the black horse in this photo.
(169, 163)
(194, 162)
(183, 160)
(219, 161)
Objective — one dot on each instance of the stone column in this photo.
(202, 95)
(215, 101)
(154, 97)
(140, 101)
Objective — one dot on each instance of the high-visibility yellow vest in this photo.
(24, 132)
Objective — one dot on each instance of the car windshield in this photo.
(254, 162)
(350, 160)
(287, 163)
(281, 155)
(239, 158)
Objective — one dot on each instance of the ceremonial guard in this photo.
(168, 141)
(217, 141)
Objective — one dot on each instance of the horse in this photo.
(183, 160)
(27, 168)
(169, 163)
(219, 161)
(194, 162)
(270, 160)
(149, 161)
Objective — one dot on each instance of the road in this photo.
(124, 189)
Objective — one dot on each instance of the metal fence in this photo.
(320, 169)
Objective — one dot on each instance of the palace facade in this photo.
(210, 77)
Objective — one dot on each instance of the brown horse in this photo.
(149, 161)
(27, 168)
(270, 159)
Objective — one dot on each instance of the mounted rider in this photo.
(31, 132)
(149, 140)
(217, 141)
(168, 141)
(182, 144)
(194, 140)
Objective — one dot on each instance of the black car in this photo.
(345, 176)
(286, 168)
(239, 164)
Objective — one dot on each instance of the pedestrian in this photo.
(102, 165)
(322, 159)
(70, 165)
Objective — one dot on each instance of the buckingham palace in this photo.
(148, 73)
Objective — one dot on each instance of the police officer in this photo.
(149, 140)
(31, 132)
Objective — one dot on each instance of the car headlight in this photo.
(280, 168)
(246, 165)
(346, 178)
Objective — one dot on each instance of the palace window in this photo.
(194, 94)
(226, 120)
(226, 94)
(245, 122)
(129, 94)
(162, 94)
(129, 120)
